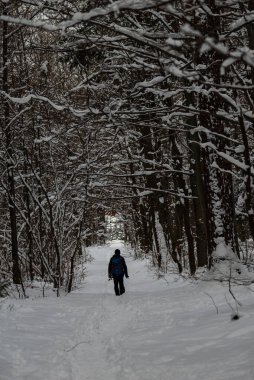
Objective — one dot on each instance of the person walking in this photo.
(117, 269)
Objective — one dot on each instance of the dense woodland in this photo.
(142, 110)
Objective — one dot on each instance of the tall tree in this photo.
(8, 137)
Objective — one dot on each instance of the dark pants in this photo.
(118, 285)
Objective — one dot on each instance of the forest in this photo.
(140, 111)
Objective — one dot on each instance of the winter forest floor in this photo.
(166, 329)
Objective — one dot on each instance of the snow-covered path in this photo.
(163, 330)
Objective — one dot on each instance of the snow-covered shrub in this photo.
(228, 267)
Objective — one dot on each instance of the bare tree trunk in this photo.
(183, 206)
(73, 257)
(6, 128)
(218, 177)
(247, 159)
(248, 177)
(197, 189)
(250, 29)
(168, 230)
(28, 226)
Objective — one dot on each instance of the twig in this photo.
(231, 307)
(76, 345)
(216, 307)
(230, 290)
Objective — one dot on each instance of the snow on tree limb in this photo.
(226, 156)
(28, 98)
(79, 17)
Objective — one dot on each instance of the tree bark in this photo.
(6, 128)
(183, 206)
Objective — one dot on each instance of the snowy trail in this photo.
(163, 330)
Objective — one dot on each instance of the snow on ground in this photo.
(163, 330)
